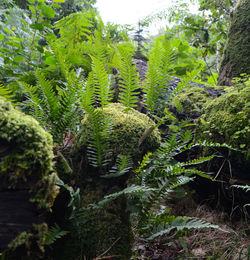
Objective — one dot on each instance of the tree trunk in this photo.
(236, 56)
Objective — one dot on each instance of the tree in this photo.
(236, 56)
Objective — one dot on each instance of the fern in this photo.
(246, 188)
(49, 96)
(101, 82)
(75, 27)
(182, 223)
(87, 96)
(133, 189)
(159, 66)
(6, 92)
(53, 234)
(56, 108)
(129, 77)
(97, 147)
(123, 165)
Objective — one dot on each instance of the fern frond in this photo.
(157, 75)
(35, 102)
(165, 186)
(6, 92)
(122, 166)
(97, 148)
(208, 144)
(49, 96)
(182, 223)
(199, 160)
(75, 26)
(133, 189)
(101, 82)
(87, 97)
(185, 82)
(246, 188)
(53, 234)
(129, 77)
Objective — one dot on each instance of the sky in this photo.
(131, 11)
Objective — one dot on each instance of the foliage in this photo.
(225, 119)
(183, 223)
(105, 132)
(53, 107)
(53, 234)
(66, 76)
(129, 78)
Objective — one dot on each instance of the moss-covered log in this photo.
(27, 182)
(236, 56)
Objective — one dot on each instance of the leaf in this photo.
(37, 26)
(51, 60)
(53, 234)
(58, 1)
(19, 59)
(1, 37)
(48, 11)
(181, 223)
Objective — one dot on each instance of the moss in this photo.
(192, 100)
(27, 162)
(226, 120)
(236, 56)
(30, 152)
(27, 239)
(127, 126)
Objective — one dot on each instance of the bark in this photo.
(236, 55)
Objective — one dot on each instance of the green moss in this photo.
(192, 100)
(27, 164)
(236, 56)
(127, 126)
(27, 239)
(30, 153)
(226, 120)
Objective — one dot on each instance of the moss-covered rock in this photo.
(26, 171)
(192, 100)
(236, 56)
(226, 120)
(126, 129)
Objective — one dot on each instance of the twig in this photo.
(105, 252)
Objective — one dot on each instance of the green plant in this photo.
(54, 107)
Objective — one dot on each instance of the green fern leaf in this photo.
(6, 93)
(182, 223)
(53, 234)
(129, 77)
(246, 188)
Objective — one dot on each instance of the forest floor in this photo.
(202, 243)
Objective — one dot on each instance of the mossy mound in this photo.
(126, 129)
(192, 100)
(26, 169)
(236, 55)
(226, 120)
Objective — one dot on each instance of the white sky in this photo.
(131, 11)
